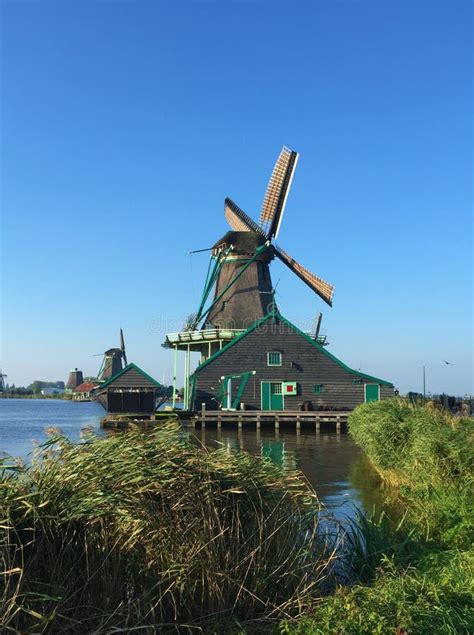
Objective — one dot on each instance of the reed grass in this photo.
(408, 442)
(427, 455)
(420, 569)
(148, 531)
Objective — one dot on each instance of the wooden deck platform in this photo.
(270, 418)
(144, 422)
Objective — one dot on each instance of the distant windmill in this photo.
(241, 273)
(112, 362)
(75, 379)
(2, 381)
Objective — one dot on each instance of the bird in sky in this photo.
(448, 363)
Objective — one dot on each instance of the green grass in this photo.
(414, 574)
(150, 531)
(435, 597)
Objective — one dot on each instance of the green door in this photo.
(272, 395)
(372, 392)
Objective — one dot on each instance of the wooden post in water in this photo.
(338, 424)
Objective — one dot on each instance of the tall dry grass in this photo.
(152, 532)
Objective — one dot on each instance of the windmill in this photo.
(112, 362)
(243, 287)
(75, 379)
(2, 381)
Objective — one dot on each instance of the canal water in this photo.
(331, 462)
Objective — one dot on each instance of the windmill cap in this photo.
(113, 351)
(245, 242)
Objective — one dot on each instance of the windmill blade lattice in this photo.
(238, 219)
(277, 192)
(318, 285)
(270, 220)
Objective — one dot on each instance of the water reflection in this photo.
(332, 463)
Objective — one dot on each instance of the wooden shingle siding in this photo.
(131, 378)
(302, 362)
(250, 295)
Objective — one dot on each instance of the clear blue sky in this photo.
(124, 126)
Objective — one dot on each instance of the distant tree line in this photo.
(34, 388)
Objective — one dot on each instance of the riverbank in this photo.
(418, 573)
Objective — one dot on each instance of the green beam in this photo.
(258, 251)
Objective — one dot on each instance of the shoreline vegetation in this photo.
(153, 532)
(416, 570)
(64, 396)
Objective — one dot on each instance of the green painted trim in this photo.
(258, 251)
(278, 316)
(333, 357)
(251, 328)
(244, 377)
(192, 379)
(210, 281)
(280, 363)
(124, 370)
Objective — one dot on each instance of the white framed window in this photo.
(274, 358)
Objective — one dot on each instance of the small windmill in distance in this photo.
(2, 381)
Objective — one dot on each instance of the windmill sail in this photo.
(238, 219)
(277, 192)
(122, 347)
(318, 285)
(317, 326)
(270, 221)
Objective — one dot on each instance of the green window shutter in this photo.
(318, 388)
